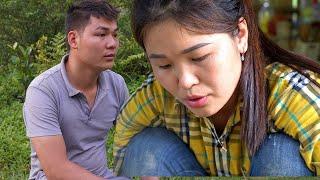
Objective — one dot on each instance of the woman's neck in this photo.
(221, 118)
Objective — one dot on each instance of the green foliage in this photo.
(49, 51)
(130, 61)
(14, 146)
(121, 4)
(21, 64)
(134, 69)
(26, 62)
(26, 21)
(18, 73)
(109, 148)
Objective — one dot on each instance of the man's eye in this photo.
(201, 58)
(102, 35)
(167, 66)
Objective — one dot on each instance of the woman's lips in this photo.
(197, 102)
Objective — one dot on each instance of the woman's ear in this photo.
(73, 39)
(242, 35)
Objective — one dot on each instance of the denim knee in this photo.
(159, 152)
(279, 156)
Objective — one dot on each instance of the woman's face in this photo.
(201, 70)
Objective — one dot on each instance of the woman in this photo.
(225, 100)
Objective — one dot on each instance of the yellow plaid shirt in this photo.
(293, 107)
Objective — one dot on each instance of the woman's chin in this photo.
(202, 112)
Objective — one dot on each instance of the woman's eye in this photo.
(201, 58)
(167, 66)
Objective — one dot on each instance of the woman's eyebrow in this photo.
(185, 51)
(157, 56)
(192, 48)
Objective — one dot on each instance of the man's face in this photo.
(97, 44)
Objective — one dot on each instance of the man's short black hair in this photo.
(79, 13)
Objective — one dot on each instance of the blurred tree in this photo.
(25, 21)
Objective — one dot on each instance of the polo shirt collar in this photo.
(102, 82)
(71, 90)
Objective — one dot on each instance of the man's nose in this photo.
(112, 42)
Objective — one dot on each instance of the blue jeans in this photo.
(159, 152)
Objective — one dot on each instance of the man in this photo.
(70, 108)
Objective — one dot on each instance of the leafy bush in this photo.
(26, 21)
(14, 146)
(130, 62)
(49, 52)
(17, 75)
(26, 62)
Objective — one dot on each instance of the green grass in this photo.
(14, 145)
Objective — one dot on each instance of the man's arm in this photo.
(41, 120)
(52, 154)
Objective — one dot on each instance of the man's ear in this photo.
(73, 39)
(242, 35)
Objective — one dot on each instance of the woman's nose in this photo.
(186, 78)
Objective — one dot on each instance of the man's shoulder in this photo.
(110, 73)
(113, 77)
(46, 78)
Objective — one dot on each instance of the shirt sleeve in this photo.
(294, 106)
(124, 93)
(40, 114)
(142, 110)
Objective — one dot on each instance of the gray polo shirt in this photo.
(54, 107)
